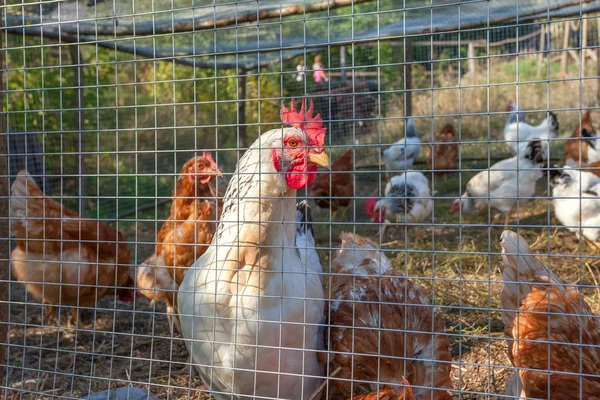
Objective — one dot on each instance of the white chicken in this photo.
(250, 308)
(517, 132)
(407, 199)
(505, 185)
(576, 202)
(401, 155)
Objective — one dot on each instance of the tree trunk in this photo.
(242, 139)
(584, 41)
(542, 51)
(471, 56)
(76, 61)
(407, 77)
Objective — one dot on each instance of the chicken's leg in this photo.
(75, 318)
(506, 221)
(49, 314)
(189, 370)
(344, 210)
(383, 230)
(333, 214)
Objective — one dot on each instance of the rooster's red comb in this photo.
(304, 120)
(370, 206)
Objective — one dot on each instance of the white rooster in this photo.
(576, 202)
(407, 199)
(506, 184)
(401, 155)
(250, 308)
(517, 132)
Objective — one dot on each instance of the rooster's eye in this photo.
(292, 142)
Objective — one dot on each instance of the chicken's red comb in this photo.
(370, 206)
(304, 120)
(209, 157)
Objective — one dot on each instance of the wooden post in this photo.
(343, 57)
(4, 238)
(565, 52)
(584, 44)
(471, 57)
(598, 62)
(407, 77)
(76, 61)
(542, 50)
(241, 91)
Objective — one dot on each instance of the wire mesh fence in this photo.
(159, 154)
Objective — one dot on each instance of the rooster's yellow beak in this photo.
(320, 159)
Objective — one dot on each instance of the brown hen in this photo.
(443, 156)
(583, 138)
(62, 258)
(186, 234)
(383, 328)
(556, 336)
(335, 190)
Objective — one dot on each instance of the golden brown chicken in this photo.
(383, 328)
(185, 236)
(556, 336)
(443, 156)
(63, 259)
(335, 190)
(583, 138)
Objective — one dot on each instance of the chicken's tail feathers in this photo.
(517, 114)
(553, 123)
(24, 193)
(536, 151)
(521, 271)
(411, 128)
(520, 264)
(304, 219)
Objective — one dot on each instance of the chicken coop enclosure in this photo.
(316, 199)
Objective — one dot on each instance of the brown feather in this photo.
(443, 156)
(62, 258)
(338, 186)
(573, 145)
(187, 233)
(373, 317)
(553, 327)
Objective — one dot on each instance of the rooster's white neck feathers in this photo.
(258, 200)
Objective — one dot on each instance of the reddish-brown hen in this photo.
(335, 190)
(62, 258)
(186, 235)
(556, 336)
(443, 154)
(584, 138)
(383, 328)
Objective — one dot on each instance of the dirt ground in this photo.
(130, 344)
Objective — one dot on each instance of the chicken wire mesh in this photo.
(169, 219)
